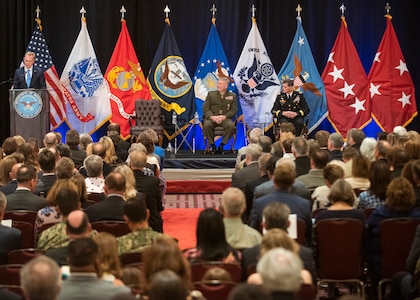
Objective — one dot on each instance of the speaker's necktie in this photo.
(28, 78)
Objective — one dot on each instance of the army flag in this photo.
(300, 65)
(346, 85)
(256, 80)
(391, 86)
(85, 89)
(170, 82)
(126, 81)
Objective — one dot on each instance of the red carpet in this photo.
(196, 186)
(180, 223)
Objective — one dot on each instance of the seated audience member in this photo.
(335, 145)
(112, 207)
(241, 177)
(379, 178)
(348, 155)
(141, 236)
(152, 159)
(159, 151)
(415, 169)
(64, 150)
(149, 185)
(265, 143)
(381, 149)
(280, 271)
(10, 238)
(30, 158)
(120, 152)
(95, 181)
(245, 291)
(83, 282)
(287, 149)
(367, 148)
(284, 176)
(276, 216)
(331, 173)
(252, 136)
(110, 158)
(165, 285)
(130, 181)
(131, 276)
(77, 227)
(413, 149)
(24, 197)
(164, 254)
(355, 138)
(9, 146)
(40, 278)
(73, 141)
(67, 200)
(115, 127)
(8, 173)
(64, 168)
(398, 160)
(80, 182)
(99, 149)
(85, 139)
(47, 161)
(238, 235)
(314, 178)
(399, 203)
(286, 131)
(109, 262)
(211, 239)
(341, 198)
(359, 179)
(322, 136)
(300, 150)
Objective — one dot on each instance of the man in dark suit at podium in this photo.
(29, 76)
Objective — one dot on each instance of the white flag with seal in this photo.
(85, 89)
(256, 80)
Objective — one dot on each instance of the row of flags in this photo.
(85, 99)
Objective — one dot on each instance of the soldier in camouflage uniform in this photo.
(136, 216)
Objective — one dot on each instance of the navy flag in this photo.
(169, 81)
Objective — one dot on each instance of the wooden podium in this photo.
(29, 113)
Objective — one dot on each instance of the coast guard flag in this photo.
(256, 79)
(346, 85)
(391, 86)
(126, 80)
(301, 66)
(170, 82)
(85, 89)
(38, 45)
(212, 65)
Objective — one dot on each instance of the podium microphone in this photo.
(10, 80)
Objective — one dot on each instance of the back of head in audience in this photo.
(233, 202)
(254, 134)
(244, 291)
(40, 279)
(321, 137)
(67, 200)
(341, 191)
(319, 158)
(277, 238)
(114, 183)
(253, 152)
(93, 165)
(379, 177)
(331, 173)
(72, 138)
(85, 139)
(276, 215)
(167, 285)
(109, 261)
(335, 141)
(135, 210)
(77, 225)
(46, 159)
(64, 168)
(265, 143)
(83, 255)
(284, 176)
(400, 195)
(368, 147)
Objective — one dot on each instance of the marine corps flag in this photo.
(346, 85)
(85, 89)
(391, 86)
(256, 79)
(126, 81)
(301, 66)
(170, 82)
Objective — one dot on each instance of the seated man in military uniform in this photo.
(219, 109)
(290, 106)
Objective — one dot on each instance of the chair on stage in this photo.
(147, 116)
(199, 268)
(117, 228)
(28, 233)
(339, 249)
(21, 215)
(218, 132)
(396, 236)
(22, 256)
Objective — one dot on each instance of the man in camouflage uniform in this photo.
(136, 216)
(290, 106)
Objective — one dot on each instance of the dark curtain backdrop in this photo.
(191, 20)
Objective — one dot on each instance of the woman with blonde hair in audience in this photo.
(109, 262)
(359, 179)
(110, 156)
(5, 168)
(130, 181)
(80, 182)
(164, 254)
(413, 149)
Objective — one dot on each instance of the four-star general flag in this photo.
(126, 80)
(256, 79)
(38, 45)
(391, 86)
(170, 82)
(85, 88)
(301, 66)
(346, 85)
(212, 65)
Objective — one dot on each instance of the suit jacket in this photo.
(313, 179)
(216, 105)
(10, 239)
(112, 208)
(24, 199)
(59, 255)
(298, 188)
(9, 188)
(37, 79)
(89, 286)
(241, 177)
(45, 183)
(78, 156)
(298, 205)
(149, 185)
(249, 194)
(303, 165)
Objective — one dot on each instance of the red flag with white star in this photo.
(346, 85)
(391, 86)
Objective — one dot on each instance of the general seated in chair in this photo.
(290, 106)
(219, 109)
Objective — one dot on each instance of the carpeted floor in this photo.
(192, 200)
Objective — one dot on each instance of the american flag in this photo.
(38, 45)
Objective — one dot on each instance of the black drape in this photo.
(191, 19)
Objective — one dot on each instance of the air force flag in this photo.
(256, 79)
(85, 90)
